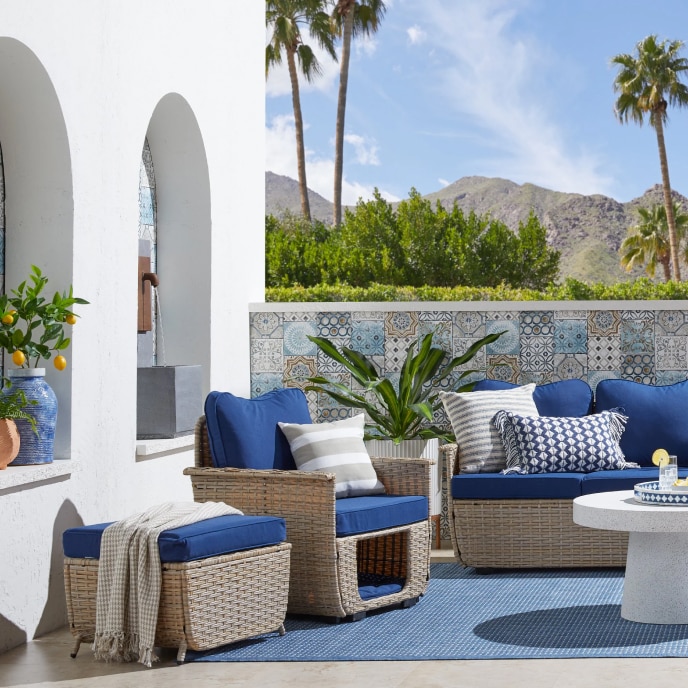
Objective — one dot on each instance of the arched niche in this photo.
(39, 207)
(183, 223)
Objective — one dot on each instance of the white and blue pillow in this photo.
(548, 444)
(471, 416)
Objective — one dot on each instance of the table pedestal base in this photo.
(656, 583)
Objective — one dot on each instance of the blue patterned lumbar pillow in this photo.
(547, 444)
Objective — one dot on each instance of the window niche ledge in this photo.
(18, 476)
(150, 449)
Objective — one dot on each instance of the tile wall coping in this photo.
(362, 306)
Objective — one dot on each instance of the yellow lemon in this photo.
(71, 319)
(18, 358)
(60, 362)
(7, 319)
(660, 457)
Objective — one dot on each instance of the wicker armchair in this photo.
(325, 569)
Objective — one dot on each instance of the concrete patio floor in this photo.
(46, 662)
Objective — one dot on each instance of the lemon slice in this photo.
(660, 457)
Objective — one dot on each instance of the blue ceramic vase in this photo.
(35, 449)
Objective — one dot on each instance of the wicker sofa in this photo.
(525, 521)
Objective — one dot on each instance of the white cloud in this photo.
(366, 153)
(498, 82)
(443, 182)
(416, 35)
(365, 46)
(280, 158)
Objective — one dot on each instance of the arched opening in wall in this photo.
(174, 161)
(38, 195)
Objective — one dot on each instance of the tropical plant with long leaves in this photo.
(286, 20)
(401, 412)
(353, 18)
(647, 243)
(648, 82)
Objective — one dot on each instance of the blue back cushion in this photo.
(566, 398)
(244, 433)
(656, 417)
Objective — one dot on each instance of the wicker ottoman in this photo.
(223, 580)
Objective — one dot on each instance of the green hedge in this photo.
(571, 290)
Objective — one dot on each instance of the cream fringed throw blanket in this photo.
(130, 578)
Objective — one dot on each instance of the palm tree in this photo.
(647, 242)
(647, 84)
(285, 19)
(353, 18)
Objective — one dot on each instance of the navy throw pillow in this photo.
(656, 417)
(244, 433)
(566, 398)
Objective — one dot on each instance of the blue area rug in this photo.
(464, 615)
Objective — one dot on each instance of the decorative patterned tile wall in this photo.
(642, 341)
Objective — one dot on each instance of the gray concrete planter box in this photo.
(168, 401)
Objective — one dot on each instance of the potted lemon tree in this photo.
(32, 329)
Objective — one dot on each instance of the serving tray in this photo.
(649, 493)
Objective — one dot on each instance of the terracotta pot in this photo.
(9, 442)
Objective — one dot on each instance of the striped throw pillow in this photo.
(337, 448)
(471, 415)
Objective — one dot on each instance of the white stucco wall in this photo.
(111, 63)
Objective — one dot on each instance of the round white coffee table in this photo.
(656, 581)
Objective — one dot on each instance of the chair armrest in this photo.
(266, 492)
(403, 476)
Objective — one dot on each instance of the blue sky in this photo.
(518, 89)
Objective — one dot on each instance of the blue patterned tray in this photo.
(649, 493)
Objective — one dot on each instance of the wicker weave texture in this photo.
(401, 552)
(203, 604)
(306, 500)
(525, 533)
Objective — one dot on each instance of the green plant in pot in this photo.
(32, 328)
(399, 419)
(400, 413)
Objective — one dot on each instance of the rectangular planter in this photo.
(168, 401)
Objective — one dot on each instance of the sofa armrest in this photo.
(450, 452)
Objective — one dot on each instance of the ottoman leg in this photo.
(77, 645)
(181, 652)
(281, 629)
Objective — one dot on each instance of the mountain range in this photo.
(587, 230)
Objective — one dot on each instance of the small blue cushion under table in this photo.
(357, 515)
(210, 538)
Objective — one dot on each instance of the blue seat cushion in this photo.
(209, 538)
(566, 398)
(243, 433)
(531, 486)
(376, 512)
(609, 481)
(656, 417)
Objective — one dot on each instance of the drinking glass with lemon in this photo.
(668, 468)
